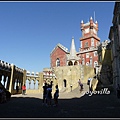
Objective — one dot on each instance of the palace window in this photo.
(58, 62)
(90, 61)
(70, 63)
(83, 61)
(95, 63)
(95, 53)
(87, 55)
(86, 44)
(92, 41)
(81, 44)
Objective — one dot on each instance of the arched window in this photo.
(70, 63)
(86, 45)
(95, 53)
(95, 64)
(75, 63)
(92, 41)
(64, 81)
(58, 62)
(91, 61)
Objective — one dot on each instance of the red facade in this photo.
(60, 54)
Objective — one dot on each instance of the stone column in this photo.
(29, 83)
(41, 81)
(11, 78)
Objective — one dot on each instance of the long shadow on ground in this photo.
(95, 106)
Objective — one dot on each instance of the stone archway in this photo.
(75, 63)
(70, 63)
(64, 83)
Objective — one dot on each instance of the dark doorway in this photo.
(64, 81)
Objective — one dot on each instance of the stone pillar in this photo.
(8, 83)
(41, 82)
(29, 83)
(11, 78)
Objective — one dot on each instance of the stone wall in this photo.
(71, 74)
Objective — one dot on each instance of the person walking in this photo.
(80, 84)
(56, 95)
(90, 84)
(17, 89)
(45, 94)
(49, 95)
(23, 89)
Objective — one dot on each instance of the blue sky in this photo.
(30, 30)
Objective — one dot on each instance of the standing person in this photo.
(17, 88)
(23, 89)
(80, 84)
(49, 95)
(45, 94)
(89, 83)
(56, 95)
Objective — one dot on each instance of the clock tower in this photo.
(89, 43)
(89, 35)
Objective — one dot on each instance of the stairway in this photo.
(77, 90)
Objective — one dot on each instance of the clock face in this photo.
(87, 30)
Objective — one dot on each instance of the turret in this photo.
(91, 23)
(82, 24)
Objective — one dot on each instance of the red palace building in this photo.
(87, 55)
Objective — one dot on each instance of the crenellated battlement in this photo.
(19, 69)
(32, 73)
(5, 66)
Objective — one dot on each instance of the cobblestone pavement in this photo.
(71, 105)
